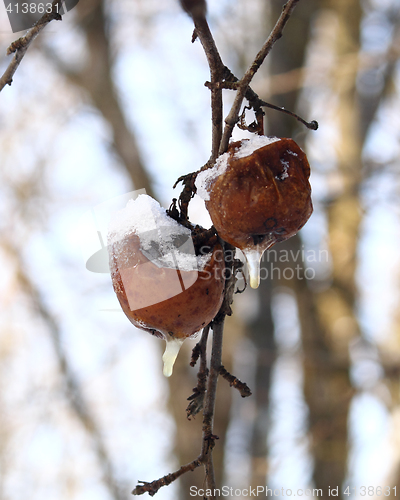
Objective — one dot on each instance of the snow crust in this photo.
(205, 178)
(162, 240)
(256, 142)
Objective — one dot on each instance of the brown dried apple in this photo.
(162, 285)
(258, 194)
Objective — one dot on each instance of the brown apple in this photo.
(168, 302)
(258, 196)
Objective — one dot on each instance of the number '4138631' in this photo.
(31, 8)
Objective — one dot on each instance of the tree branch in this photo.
(242, 387)
(205, 457)
(20, 46)
(197, 398)
(209, 407)
(276, 33)
(154, 486)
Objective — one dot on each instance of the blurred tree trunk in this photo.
(287, 54)
(390, 349)
(327, 319)
(327, 335)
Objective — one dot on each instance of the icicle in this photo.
(170, 354)
(253, 258)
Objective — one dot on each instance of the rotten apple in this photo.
(258, 194)
(164, 284)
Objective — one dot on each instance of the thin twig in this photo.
(189, 190)
(242, 387)
(257, 104)
(215, 365)
(20, 46)
(195, 355)
(313, 125)
(276, 33)
(209, 406)
(154, 486)
(197, 398)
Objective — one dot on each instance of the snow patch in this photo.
(165, 242)
(256, 142)
(284, 173)
(205, 178)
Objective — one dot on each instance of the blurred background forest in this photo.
(111, 100)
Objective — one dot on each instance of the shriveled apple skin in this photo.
(264, 194)
(138, 282)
